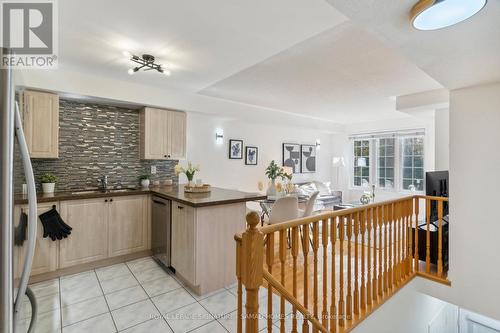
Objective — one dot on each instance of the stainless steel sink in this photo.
(115, 190)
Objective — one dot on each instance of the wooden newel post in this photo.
(252, 265)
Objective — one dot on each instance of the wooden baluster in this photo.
(397, 243)
(252, 270)
(324, 239)
(410, 238)
(381, 255)
(389, 247)
(315, 270)
(369, 220)
(440, 239)
(333, 241)
(362, 292)
(341, 308)
(282, 254)
(356, 262)
(295, 253)
(417, 260)
(401, 243)
(428, 236)
(239, 317)
(269, 262)
(349, 280)
(376, 271)
(305, 251)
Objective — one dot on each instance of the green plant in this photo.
(144, 177)
(48, 178)
(274, 171)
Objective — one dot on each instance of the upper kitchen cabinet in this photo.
(40, 113)
(163, 134)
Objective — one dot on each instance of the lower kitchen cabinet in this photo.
(128, 225)
(184, 241)
(89, 238)
(46, 250)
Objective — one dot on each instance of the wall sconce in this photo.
(318, 144)
(219, 136)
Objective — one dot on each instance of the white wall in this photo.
(421, 119)
(442, 135)
(410, 311)
(474, 183)
(217, 169)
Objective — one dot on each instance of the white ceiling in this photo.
(463, 55)
(341, 60)
(202, 41)
(343, 74)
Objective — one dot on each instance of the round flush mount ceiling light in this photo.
(437, 14)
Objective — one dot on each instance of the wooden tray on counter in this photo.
(205, 188)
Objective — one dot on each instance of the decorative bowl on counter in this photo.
(197, 189)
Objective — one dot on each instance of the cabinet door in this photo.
(153, 134)
(177, 135)
(128, 224)
(45, 259)
(183, 241)
(41, 124)
(89, 238)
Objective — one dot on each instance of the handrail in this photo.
(368, 254)
(307, 315)
(267, 229)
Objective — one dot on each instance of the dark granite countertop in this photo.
(218, 196)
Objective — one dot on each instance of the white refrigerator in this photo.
(12, 290)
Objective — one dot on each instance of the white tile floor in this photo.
(134, 297)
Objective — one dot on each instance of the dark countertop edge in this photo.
(69, 196)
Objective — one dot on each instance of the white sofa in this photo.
(327, 197)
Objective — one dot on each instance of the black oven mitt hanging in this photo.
(53, 225)
(20, 230)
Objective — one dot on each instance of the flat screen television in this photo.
(436, 184)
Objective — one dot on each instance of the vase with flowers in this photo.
(189, 171)
(274, 171)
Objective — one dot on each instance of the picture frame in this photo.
(291, 155)
(251, 155)
(308, 158)
(235, 149)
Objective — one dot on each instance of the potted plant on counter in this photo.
(48, 183)
(145, 180)
(189, 172)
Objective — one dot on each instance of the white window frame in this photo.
(373, 139)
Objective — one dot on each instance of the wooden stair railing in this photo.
(330, 271)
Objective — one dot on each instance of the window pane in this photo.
(389, 183)
(357, 181)
(361, 158)
(381, 182)
(389, 162)
(381, 162)
(419, 173)
(407, 173)
(381, 173)
(419, 161)
(381, 151)
(413, 163)
(390, 150)
(389, 172)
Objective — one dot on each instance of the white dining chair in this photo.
(284, 209)
(309, 205)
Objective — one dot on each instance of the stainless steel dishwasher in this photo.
(161, 230)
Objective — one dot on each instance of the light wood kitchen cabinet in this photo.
(89, 238)
(46, 250)
(128, 224)
(40, 113)
(162, 134)
(184, 241)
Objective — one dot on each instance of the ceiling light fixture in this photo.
(146, 63)
(437, 14)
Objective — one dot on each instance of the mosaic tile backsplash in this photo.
(96, 140)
